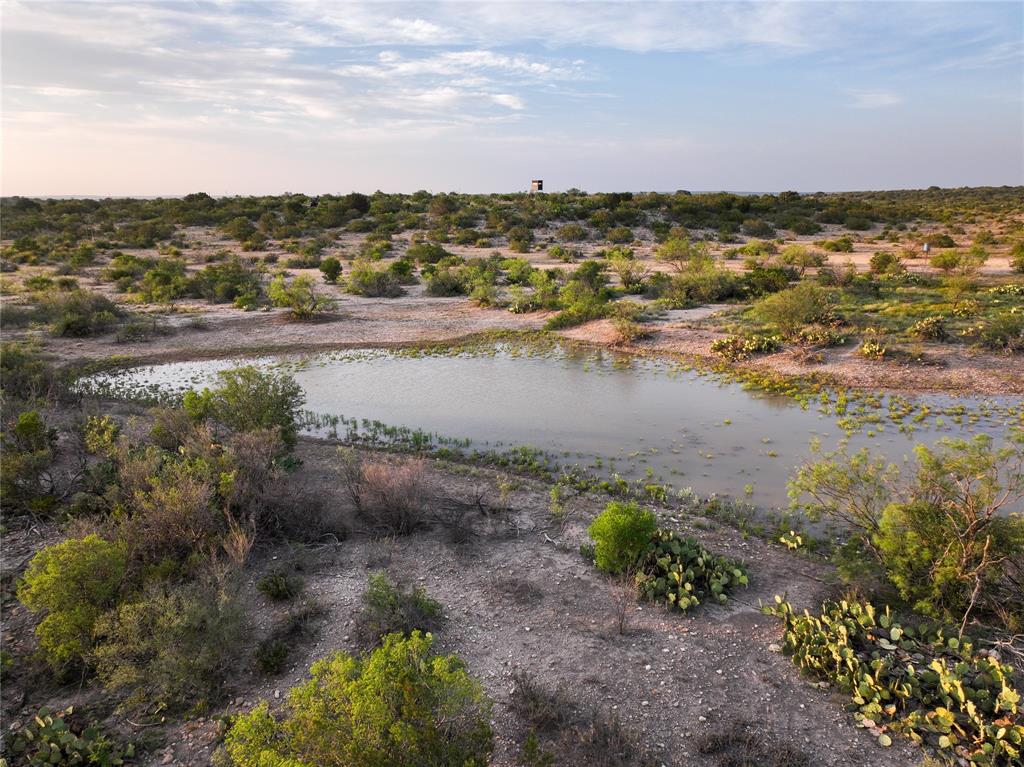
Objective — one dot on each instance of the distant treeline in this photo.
(144, 222)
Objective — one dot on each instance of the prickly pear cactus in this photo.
(681, 573)
(932, 687)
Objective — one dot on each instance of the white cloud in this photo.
(874, 99)
(508, 100)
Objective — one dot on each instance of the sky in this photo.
(165, 98)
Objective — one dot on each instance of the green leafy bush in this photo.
(839, 245)
(50, 739)
(247, 399)
(331, 268)
(400, 706)
(571, 233)
(754, 227)
(77, 313)
(800, 257)
(764, 280)
(1003, 332)
(794, 307)
(298, 295)
(388, 609)
(72, 583)
(172, 647)
(29, 448)
(619, 234)
(427, 253)
(1017, 257)
(24, 372)
(620, 533)
(367, 279)
(163, 281)
(682, 254)
(229, 282)
(445, 283)
(939, 535)
(681, 573)
(885, 262)
(915, 680)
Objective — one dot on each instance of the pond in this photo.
(605, 412)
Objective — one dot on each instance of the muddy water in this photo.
(604, 412)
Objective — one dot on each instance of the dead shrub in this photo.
(298, 625)
(573, 733)
(740, 743)
(541, 709)
(252, 454)
(390, 498)
(297, 511)
(521, 590)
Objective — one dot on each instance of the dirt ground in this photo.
(417, 318)
(669, 677)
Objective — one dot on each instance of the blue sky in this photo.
(108, 98)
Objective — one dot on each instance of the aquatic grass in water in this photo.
(661, 420)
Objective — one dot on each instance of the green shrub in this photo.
(571, 233)
(754, 227)
(229, 282)
(619, 234)
(885, 262)
(298, 295)
(49, 738)
(427, 253)
(78, 313)
(940, 240)
(517, 271)
(915, 680)
(794, 307)
(1003, 332)
(764, 280)
(72, 583)
(171, 648)
(331, 268)
(164, 281)
(682, 254)
(839, 245)
(388, 609)
(631, 272)
(1017, 257)
(620, 533)
(400, 706)
(24, 372)
(279, 586)
(681, 573)
(800, 257)
(445, 283)
(247, 399)
(940, 535)
(367, 279)
(29, 449)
